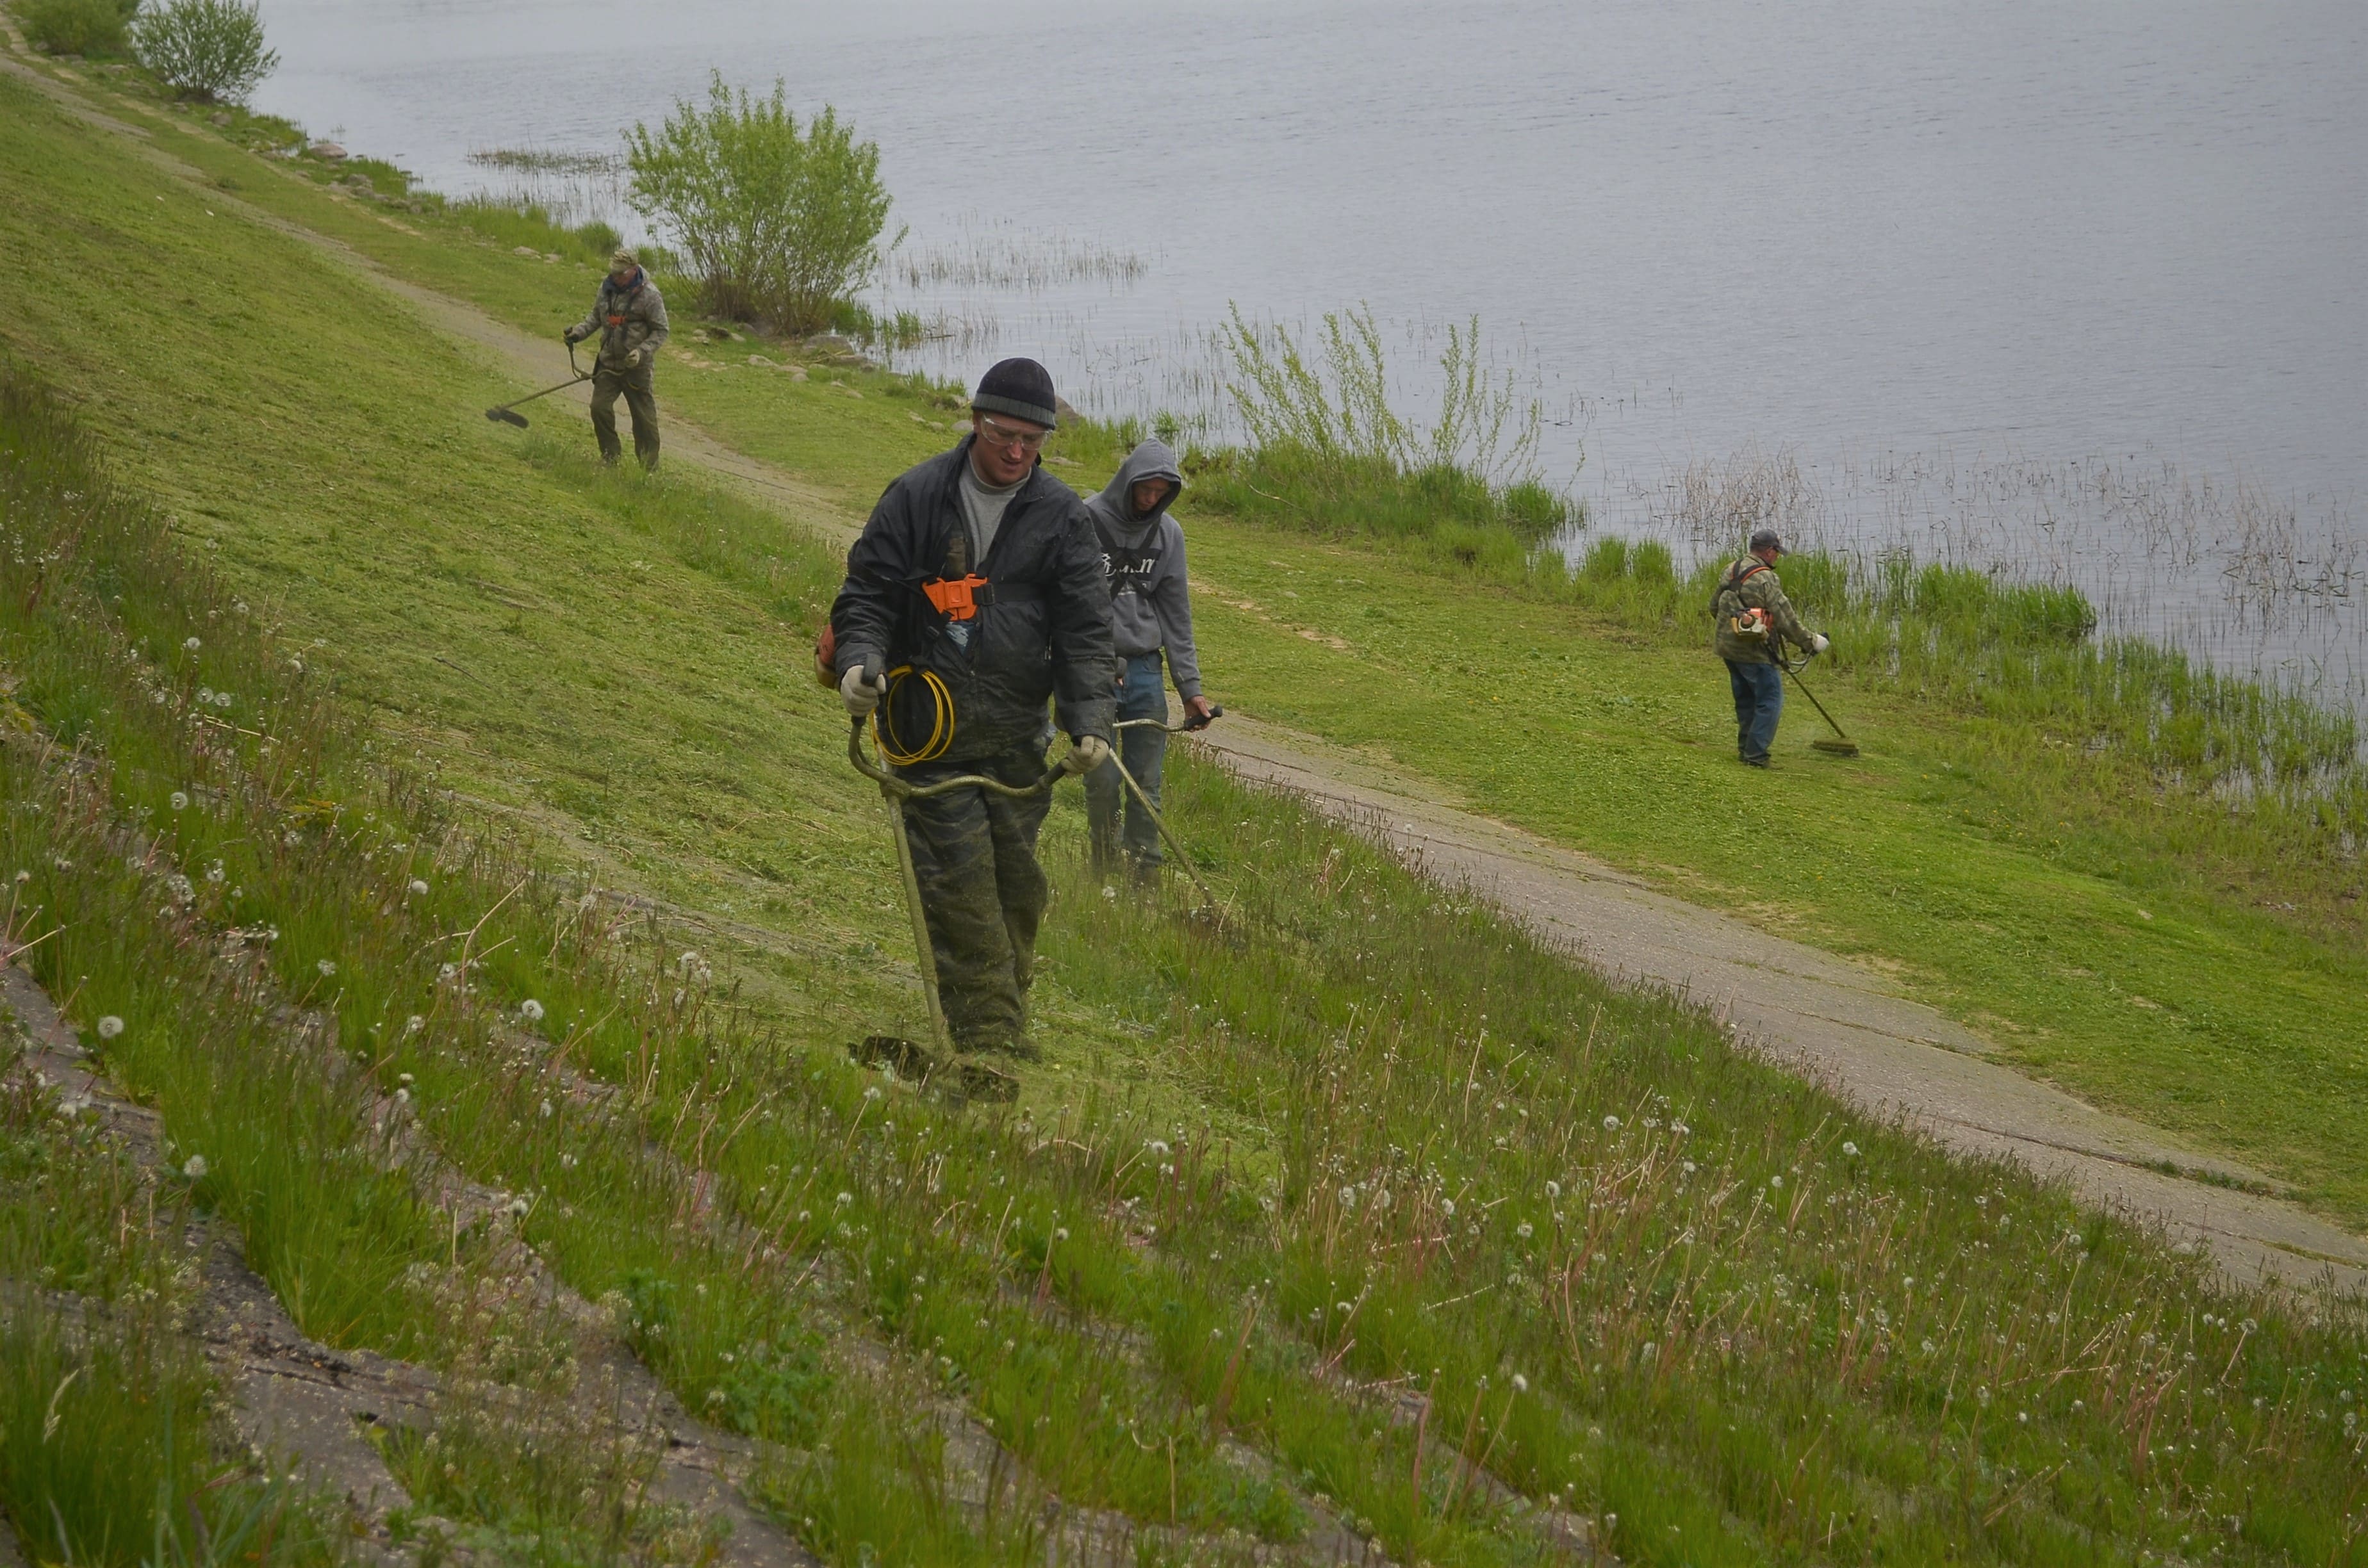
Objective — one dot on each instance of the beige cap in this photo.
(624, 261)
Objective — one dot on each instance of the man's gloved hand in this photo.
(1086, 754)
(1819, 642)
(861, 691)
(571, 335)
(636, 359)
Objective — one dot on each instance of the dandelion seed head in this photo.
(547, 1111)
(1522, 1230)
(110, 1027)
(413, 1024)
(180, 799)
(845, 1198)
(1554, 1189)
(531, 1010)
(1776, 1181)
(194, 1167)
(327, 967)
(1611, 1124)
(419, 887)
(1520, 1383)
(192, 645)
(1850, 1149)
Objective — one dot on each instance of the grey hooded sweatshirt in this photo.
(1145, 558)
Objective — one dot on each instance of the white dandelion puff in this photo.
(192, 645)
(1554, 1189)
(531, 1010)
(1850, 1149)
(194, 1167)
(1611, 1124)
(419, 887)
(1520, 1383)
(327, 967)
(110, 1027)
(180, 799)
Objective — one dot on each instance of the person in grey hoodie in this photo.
(1151, 610)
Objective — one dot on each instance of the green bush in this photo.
(208, 48)
(780, 225)
(97, 27)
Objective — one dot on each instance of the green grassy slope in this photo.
(2057, 908)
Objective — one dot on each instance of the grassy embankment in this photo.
(2079, 866)
(1700, 1272)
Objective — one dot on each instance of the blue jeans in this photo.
(1759, 703)
(1142, 694)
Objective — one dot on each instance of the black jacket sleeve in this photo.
(879, 571)
(1085, 665)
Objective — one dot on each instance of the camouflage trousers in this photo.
(975, 856)
(639, 386)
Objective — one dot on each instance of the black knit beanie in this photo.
(1020, 388)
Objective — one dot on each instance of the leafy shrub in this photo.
(79, 26)
(208, 48)
(779, 223)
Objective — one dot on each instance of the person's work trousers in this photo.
(1142, 694)
(641, 399)
(975, 856)
(1759, 703)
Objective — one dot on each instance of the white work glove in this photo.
(861, 691)
(1086, 754)
(636, 358)
(1817, 642)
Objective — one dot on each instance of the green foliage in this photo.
(780, 225)
(208, 48)
(1327, 451)
(96, 28)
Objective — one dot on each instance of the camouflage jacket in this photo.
(1751, 584)
(628, 318)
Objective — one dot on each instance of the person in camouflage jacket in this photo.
(1748, 595)
(631, 319)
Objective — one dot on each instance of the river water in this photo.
(2066, 289)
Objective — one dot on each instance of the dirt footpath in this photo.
(1817, 1013)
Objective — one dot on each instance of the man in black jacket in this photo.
(981, 570)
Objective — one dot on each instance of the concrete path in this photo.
(1809, 1010)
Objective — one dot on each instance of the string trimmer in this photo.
(1190, 725)
(1841, 745)
(973, 1079)
(506, 414)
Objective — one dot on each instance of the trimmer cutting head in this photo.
(1835, 748)
(507, 416)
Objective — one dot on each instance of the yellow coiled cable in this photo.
(941, 720)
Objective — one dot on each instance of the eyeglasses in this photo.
(995, 434)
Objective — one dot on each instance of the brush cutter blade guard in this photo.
(1835, 748)
(507, 416)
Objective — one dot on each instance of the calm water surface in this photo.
(2076, 290)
